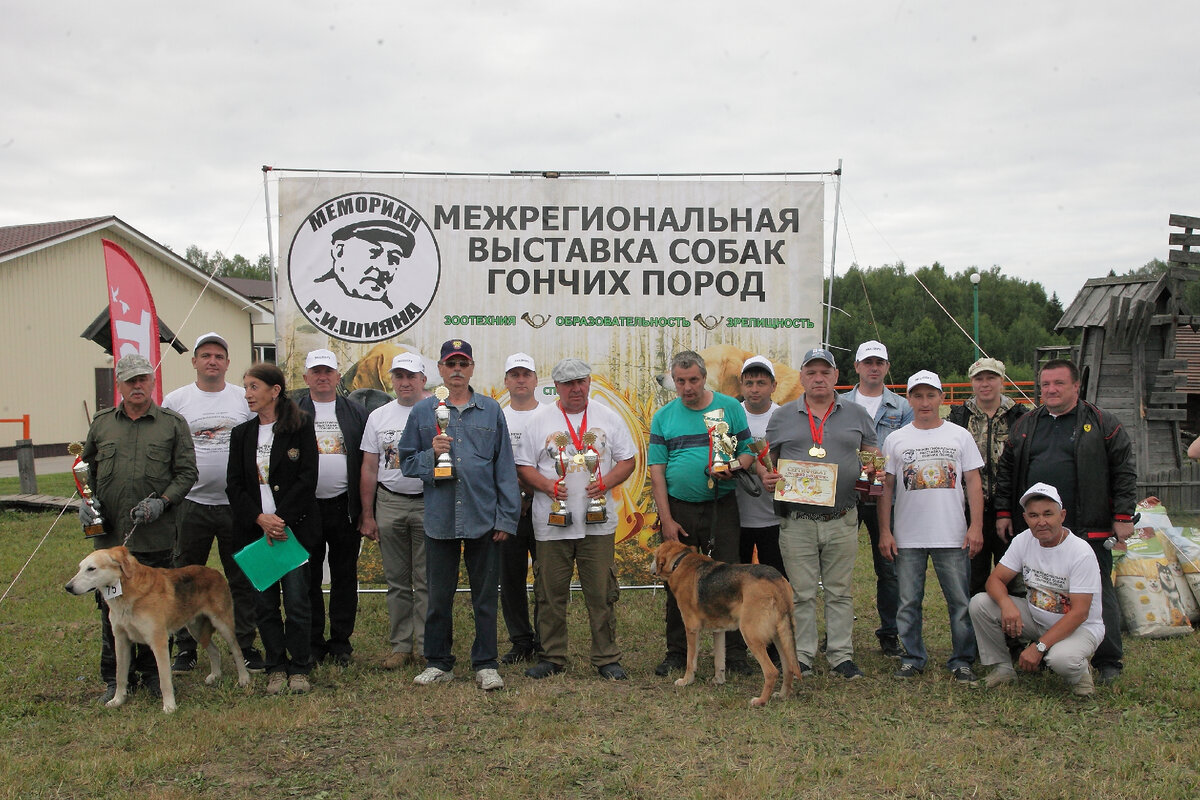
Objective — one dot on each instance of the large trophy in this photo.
(723, 448)
(88, 497)
(877, 486)
(597, 511)
(444, 468)
(863, 484)
(559, 515)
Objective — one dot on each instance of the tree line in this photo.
(888, 303)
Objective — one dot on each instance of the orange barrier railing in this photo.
(956, 393)
(24, 420)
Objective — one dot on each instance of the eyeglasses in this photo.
(458, 363)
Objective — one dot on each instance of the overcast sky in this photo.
(1052, 139)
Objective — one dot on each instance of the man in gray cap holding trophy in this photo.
(573, 454)
(141, 466)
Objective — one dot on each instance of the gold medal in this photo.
(578, 459)
(816, 452)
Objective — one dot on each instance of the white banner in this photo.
(621, 273)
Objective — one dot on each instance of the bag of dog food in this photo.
(1148, 579)
(1186, 542)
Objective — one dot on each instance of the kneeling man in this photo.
(1060, 616)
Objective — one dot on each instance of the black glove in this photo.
(148, 510)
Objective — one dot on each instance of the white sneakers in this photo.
(434, 675)
(999, 676)
(489, 680)
(1086, 686)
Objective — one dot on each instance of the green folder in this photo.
(264, 563)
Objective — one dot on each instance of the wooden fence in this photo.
(1178, 489)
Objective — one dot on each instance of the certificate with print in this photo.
(808, 482)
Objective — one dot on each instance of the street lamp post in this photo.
(975, 278)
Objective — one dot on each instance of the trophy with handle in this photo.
(559, 515)
(722, 452)
(877, 486)
(597, 509)
(81, 471)
(443, 469)
(863, 484)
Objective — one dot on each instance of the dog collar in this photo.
(682, 556)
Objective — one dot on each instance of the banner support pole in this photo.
(837, 209)
(274, 267)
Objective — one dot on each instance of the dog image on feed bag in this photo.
(714, 596)
(147, 604)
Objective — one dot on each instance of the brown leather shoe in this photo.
(397, 660)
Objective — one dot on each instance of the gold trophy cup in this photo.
(722, 453)
(87, 496)
(863, 484)
(559, 516)
(877, 486)
(443, 469)
(597, 511)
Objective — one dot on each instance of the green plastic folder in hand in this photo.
(265, 563)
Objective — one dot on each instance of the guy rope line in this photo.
(35, 550)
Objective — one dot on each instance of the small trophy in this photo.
(762, 451)
(597, 511)
(444, 468)
(88, 497)
(877, 486)
(559, 515)
(863, 484)
(722, 453)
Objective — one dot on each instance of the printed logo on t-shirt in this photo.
(211, 433)
(1049, 601)
(389, 443)
(329, 438)
(263, 457)
(573, 460)
(929, 468)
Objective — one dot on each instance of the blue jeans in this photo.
(887, 590)
(953, 568)
(483, 572)
(287, 646)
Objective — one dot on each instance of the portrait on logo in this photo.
(363, 267)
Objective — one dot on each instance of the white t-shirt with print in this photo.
(382, 436)
(262, 456)
(931, 500)
(211, 417)
(1053, 573)
(613, 444)
(331, 451)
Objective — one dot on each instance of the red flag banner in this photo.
(131, 311)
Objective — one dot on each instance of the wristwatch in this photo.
(1041, 646)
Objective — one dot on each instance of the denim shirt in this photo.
(893, 413)
(483, 495)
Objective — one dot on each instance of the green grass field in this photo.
(365, 733)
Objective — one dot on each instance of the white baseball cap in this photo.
(924, 378)
(758, 361)
(871, 349)
(519, 360)
(409, 362)
(321, 358)
(1041, 490)
(211, 337)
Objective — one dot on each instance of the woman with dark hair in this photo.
(272, 484)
